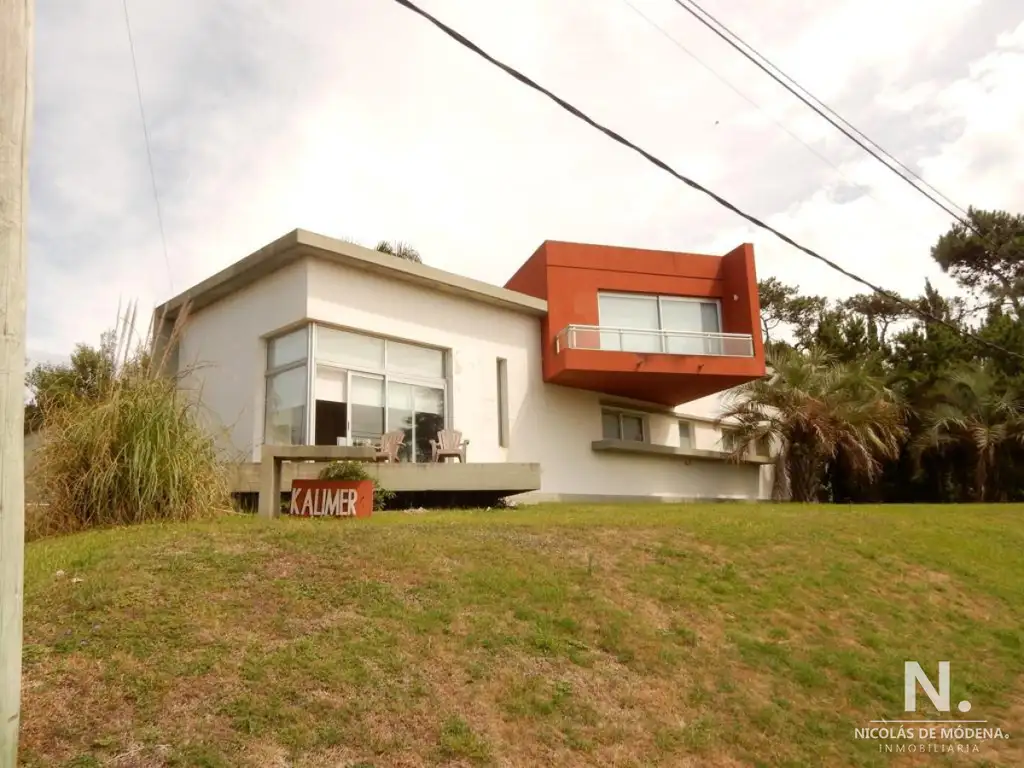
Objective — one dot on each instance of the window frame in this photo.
(728, 436)
(645, 431)
(501, 370)
(659, 298)
(688, 425)
(443, 382)
(762, 442)
(269, 373)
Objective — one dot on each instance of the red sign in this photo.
(332, 498)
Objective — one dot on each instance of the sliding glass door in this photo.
(428, 418)
(419, 412)
(696, 317)
(349, 406)
(366, 406)
(674, 324)
(364, 386)
(620, 312)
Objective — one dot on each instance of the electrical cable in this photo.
(722, 79)
(465, 42)
(762, 63)
(960, 215)
(149, 151)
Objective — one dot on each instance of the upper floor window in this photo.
(633, 322)
(622, 425)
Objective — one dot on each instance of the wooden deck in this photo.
(495, 477)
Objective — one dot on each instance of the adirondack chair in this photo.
(388, 445)
(449, 445)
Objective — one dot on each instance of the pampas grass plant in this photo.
(134, 452)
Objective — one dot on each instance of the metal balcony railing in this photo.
(655, 342)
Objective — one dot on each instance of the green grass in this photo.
(636, 636)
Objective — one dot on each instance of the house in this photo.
(596, 373)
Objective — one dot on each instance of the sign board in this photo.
(332, 498)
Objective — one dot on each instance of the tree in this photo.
(774, 296)
(879, 311)
(985, 253)
(818, 411)
(399, 249)
(87, 375)
(915, 359)
(973, 412)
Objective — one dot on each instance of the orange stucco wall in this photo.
(570, 276)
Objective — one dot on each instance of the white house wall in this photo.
(477, 334)
(556, 427)
(708, 437)
(551, 425)
(223, 350)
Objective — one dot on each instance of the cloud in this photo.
(361, 120)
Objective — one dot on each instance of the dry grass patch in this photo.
(554, 636)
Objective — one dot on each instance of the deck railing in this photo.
(602, 337)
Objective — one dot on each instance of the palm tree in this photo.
(817, 412)
(399, 249)
(973, 412)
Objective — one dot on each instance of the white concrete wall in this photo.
(553, 426)
(476, 334)
(223, 348)
(556, 426)
(708, 437)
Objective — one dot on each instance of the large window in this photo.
(366, 386)
(287, 385)
(669, 324)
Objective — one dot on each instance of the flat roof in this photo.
(299, 244)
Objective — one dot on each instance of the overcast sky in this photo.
(358, 119)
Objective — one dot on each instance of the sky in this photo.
(358, 119)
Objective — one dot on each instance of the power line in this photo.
(465, 42)
(961, 216)
(721, 78)
(762, 62)
(149, 151)
(725, 81)
(838, 122)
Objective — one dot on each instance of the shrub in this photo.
(355, 471)
(132, 452)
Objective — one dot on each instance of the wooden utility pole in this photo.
(16, 17)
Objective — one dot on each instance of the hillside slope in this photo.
(696, 635)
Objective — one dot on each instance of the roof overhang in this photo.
(300, 244)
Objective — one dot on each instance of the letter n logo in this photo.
(913, 674)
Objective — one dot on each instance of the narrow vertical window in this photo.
(503, 427)
(685, 435)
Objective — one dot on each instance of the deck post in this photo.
(270, 483)
(272, 456)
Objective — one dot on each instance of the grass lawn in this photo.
(698, 635)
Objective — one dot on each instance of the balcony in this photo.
(609, 339)
(664, 367)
